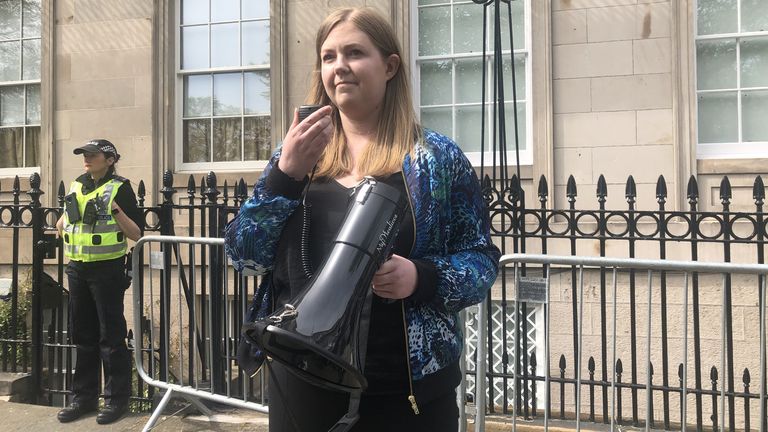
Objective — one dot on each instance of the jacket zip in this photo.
(411, 396)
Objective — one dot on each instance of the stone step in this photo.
(15, 386)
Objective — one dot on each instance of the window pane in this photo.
(194, 46)
(225, 10)
(11, 147)
(754, 15)
(10, 59)
(197, 140)
(197, 95)
(718, 122)
(227, 94)
(194, 11)
(11, 106)
(258, 138)
(429, 2)
(434, 30)
(256, 43)
(32, 18)
(32, 147)
(227, 134)
(257, 93)
(716, 16)
(225, 45)
(509, 114)
(518, 25)
(436, 83)
(469, 80)
(437, 119)
(754, 109)
(519, 77)
(716, 64)
(255, 9)
(754, 62)
(468, 122)
(468, 28)
(10, 19)
(33, 104)
(31, 59)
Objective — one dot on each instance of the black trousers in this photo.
(296, 406)
(97, 322)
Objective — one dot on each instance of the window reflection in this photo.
(225, 60)
(450, 61)
(754, 62)
(227, 99)
(754, 107)
(20, 25)
(225, 45)
(194, 11)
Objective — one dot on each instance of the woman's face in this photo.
(354, 72)
(96, 163)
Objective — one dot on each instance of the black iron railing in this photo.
(624, 231)
(45, 350)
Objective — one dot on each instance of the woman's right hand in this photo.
(305, 141)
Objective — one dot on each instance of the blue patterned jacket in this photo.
(452, 233)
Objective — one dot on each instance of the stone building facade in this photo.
(609, 85)
(613, 87)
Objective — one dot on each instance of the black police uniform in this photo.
(97, 320)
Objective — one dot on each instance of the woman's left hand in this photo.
(396, 278)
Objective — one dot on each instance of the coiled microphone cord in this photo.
(306, 264)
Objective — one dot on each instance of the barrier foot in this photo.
(159, 410)
(204, 410)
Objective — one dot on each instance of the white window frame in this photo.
(740, 149)
(526, 155)
(195, 167)
(24, 171)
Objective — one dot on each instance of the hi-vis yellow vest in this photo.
(102, 240)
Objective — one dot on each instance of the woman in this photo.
(100, 215)
(443, 257)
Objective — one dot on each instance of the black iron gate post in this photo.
(758, 194)
(166, 228)
(13, 332)
(216, 263)
(38, 254)
(725, 199)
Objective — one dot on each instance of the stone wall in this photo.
(102, 84)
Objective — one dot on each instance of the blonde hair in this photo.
(397, 129)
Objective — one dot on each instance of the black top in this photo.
(386, 367)
(125, 198)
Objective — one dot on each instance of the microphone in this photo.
(306, 110)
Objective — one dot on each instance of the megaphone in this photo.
(321, 334)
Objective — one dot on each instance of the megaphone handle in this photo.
(345, 423)
(351, 417)
(389, 256)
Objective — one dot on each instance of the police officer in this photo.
(100, 215)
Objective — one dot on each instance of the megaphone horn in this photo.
(321, 334)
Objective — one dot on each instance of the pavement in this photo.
(27, 417)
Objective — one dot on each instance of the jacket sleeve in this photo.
(469, 268)
(251, 237)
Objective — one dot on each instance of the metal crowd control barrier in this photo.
(191, 389)
(687, 268)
